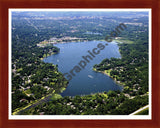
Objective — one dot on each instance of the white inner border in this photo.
(82, 117)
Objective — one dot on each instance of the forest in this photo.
(131, 71)
(32, 79)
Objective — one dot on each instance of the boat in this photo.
(90, 76)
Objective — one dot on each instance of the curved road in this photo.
(147, 106)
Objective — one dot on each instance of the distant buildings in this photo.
(65, 39)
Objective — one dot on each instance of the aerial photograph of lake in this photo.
(67, 63)
(87, 81)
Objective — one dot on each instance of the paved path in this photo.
(139, 110)
(46, 99)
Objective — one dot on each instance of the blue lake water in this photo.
(86, 81)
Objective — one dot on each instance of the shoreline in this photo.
(64, 88)
(108, 74)
(18, 110)
(48, 55)
(125, 41)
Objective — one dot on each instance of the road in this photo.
(46, 99)
(147, 106)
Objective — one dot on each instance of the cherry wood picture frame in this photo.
(5, 5)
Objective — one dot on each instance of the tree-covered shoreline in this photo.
(33, 79)
(99, 103)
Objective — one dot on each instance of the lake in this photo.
(86, 81)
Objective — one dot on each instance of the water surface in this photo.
(86, 81)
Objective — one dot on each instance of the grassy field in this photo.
(143, 112)
(56, 96)
(124, 41)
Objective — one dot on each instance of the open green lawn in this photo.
(20, 69)
(105, 95)
(124, 41)
(108, 71)
(56, 96)
(143, 112)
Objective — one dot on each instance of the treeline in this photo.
(32, 79)
(132, 69)
(111, 103)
